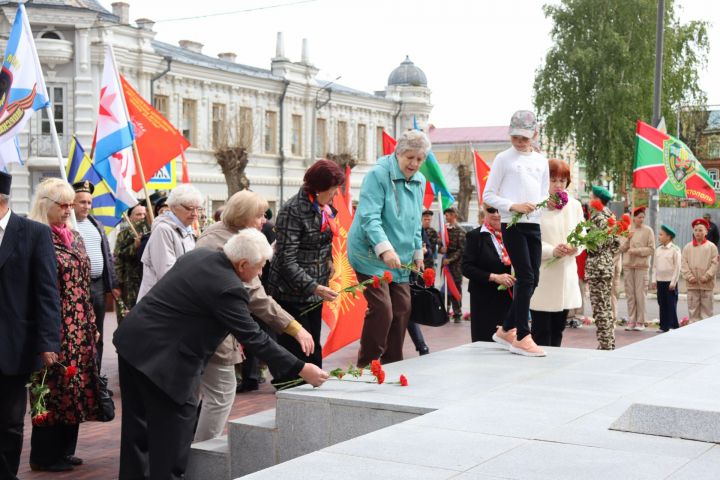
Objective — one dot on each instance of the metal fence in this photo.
(679, 220)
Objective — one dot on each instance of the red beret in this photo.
(701, 221)
(638, 211)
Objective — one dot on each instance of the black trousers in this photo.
(667, 301)
(13, 401)
(97, 295)
(416, 335)
(548, 327)
(312, 322)
(156, 432)
(250, 367)
(522, 242)
(51, 444)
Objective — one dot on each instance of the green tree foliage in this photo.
(597, 79)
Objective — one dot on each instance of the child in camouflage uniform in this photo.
(599, 273)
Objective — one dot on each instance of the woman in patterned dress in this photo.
(72, 397)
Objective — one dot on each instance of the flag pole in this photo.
(136, 153)
(442, 237)
(48, 107)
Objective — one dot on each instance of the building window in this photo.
(321, 138)
(160, 102)
(342, 137)
(362, 143)
(296, 140)
(714, 148)
(51, 36)
(219, 133)
(189, 116)
(57, 100)
(379, 141)
(245, 134)
(715, 177)
(270, 134)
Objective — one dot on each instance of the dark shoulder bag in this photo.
(427, 306)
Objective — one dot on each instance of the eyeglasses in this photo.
(191, 209)
(64, 206)
(491, 210)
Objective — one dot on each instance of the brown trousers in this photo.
(386, 320)
(636, 288)
(700, 304)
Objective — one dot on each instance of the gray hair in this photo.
(49, 191)
(4, 199)
(184, 195)
(413, 140)
(249, 244)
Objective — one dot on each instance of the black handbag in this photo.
(105, 402)
(427, 306)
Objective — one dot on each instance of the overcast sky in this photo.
(479, 56)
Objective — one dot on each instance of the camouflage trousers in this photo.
(600, 299)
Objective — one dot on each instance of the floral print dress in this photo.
(73, 399)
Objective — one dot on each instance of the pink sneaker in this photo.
(504, 338)
(527, 347)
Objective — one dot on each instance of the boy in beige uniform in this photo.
(637, 251)
(699, 265)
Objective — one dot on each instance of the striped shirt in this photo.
(93, 247)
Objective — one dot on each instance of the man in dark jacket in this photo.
(713, 233)
(29, 319)
(102, 268)
(166, 341)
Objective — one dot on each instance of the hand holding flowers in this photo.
(375, 368)
(38, 411)
(556, 201)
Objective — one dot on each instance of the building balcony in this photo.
(53, 51)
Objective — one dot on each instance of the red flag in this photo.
(481, 175)
(157, 140)
(429, 195)
(344, 316)
(348, 193)
(185, 175)
(389, 143)
(450, 284)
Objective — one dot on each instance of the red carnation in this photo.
(625, 219)
(376, 281)
(403, 381)
(375, 367)
(429, 277)
(611, 221)
(597, 205)
(40, 419)
(387, 276)
(380, 377)
(70, 371)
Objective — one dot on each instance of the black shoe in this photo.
(74, 461)
(423, 350)
(59, 466)
(458, 319)
(247, 386)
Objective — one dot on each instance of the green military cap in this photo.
(668, 230)
(602, 193)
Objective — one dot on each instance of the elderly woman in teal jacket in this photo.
(386, 235)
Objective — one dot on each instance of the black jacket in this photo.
(29, 296)
(174, 330)
(303, 254)
(110, 280)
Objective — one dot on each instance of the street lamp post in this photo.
(654, 207)
(318, 105)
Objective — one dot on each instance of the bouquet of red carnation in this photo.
(374, 281)
(38, 411)
(558, 199)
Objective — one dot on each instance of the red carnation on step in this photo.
(403, 381)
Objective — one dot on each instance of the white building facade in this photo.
(294, 118)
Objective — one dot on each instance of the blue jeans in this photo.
(523, 245)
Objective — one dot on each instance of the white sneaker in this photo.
(527, 347)
(638, 328)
